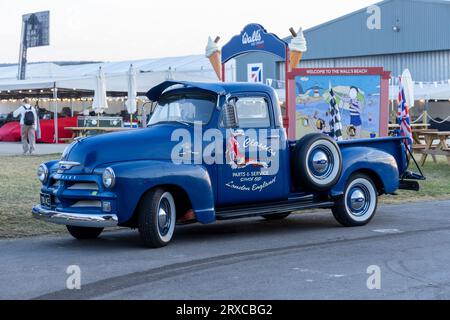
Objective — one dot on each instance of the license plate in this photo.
(46, 200)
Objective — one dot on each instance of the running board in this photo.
(271, 208)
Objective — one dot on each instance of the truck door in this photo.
(254, 150)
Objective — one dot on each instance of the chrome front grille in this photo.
(87, 204)
(92, 186)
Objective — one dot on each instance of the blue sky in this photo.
(138, 29)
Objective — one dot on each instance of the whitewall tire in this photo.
(157, 218)
(317, 164)
(358, 205)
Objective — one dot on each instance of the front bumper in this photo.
(75, 219)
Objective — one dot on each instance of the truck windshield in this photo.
(186, 109)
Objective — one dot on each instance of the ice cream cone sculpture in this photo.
(214, 54)
(297, 47)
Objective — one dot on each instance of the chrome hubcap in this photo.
(320, 162)
(357, 200)
(164, 217)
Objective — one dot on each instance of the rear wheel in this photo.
(82, 233)
(157, 218)
(359, 204)
(276, 216)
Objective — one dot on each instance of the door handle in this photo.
(273, 137)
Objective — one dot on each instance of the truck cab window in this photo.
(253, 112)
(188, 109)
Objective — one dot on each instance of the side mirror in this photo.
(230, 120)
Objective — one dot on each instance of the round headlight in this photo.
(108, 178)
(42, 173)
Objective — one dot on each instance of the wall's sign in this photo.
(254, 38)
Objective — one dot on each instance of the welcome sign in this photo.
(254, 38)
(359, 101)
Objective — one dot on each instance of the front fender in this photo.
(369, 159)
(134, 178)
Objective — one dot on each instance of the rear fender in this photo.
(371, 160)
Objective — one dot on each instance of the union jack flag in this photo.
(403, 118)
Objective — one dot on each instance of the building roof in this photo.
(422, 25)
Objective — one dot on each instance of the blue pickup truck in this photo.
(215, 152)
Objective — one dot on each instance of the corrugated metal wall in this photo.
(423, 26)
(422, 44)
(424, 66)
(269, 61)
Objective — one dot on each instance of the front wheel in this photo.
(157, 218)
(83, 233)
(358, 205)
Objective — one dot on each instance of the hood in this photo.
(152, 143)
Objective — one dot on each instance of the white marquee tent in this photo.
(425, 92)
(82, 77)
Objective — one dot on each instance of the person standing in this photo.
(28, 125)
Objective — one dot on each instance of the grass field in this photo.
(436, 187)
(19, 191)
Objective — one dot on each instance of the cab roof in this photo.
(219, 88)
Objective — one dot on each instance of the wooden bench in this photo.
(418, 147)
(84, 131)
(433, 149)
(66, 140)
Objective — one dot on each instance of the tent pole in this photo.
(392, 110)
(55, 98)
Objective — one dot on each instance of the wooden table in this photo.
(414, 127)
(441, 148)
(78, 132)
(418, 135)
(417, 126)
